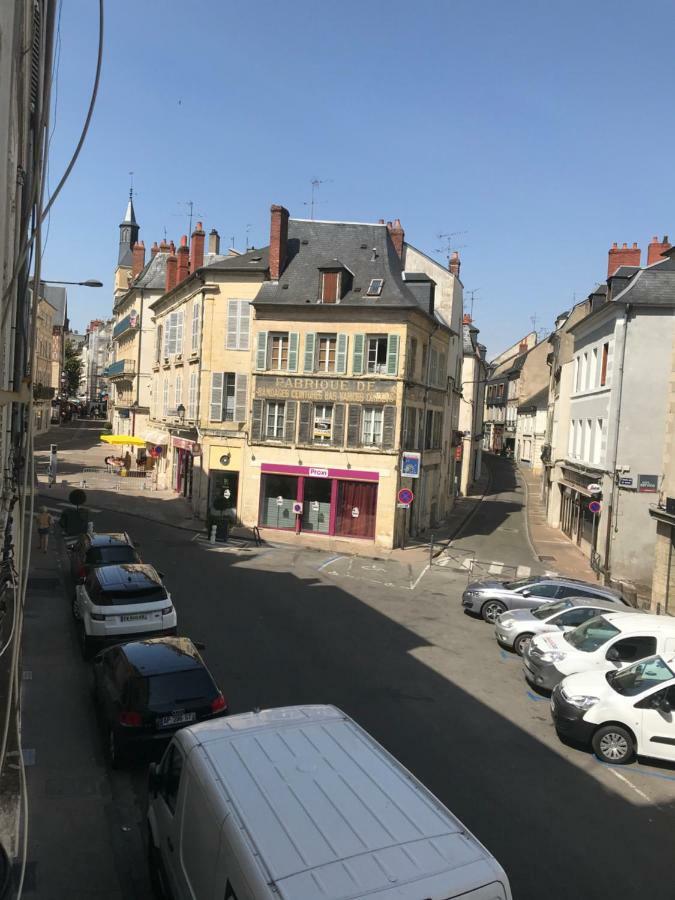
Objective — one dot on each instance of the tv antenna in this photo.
(190, 209)
(472, 293)
(248, 228)
(449, 244)
(315, 182)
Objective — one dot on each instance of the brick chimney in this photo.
(467, 320)
(454, 263)
(278, 240)
(154, 250)
(171, 264)
(183, 254)
(397, 235)
(656, 249)
(622, 256)
(164, 247)
(197, 248)
(524, 347)
(214, 242)
(137, 258)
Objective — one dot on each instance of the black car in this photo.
(93, 550)
(147, 690)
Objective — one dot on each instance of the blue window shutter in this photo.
(293, 340)
(310, 349)
(357, 359)
(216, 413)
(261, 354)
(392, 355)
(341, 355)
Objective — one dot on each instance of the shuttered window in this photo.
(178, 390)
(376, 358)
(238, 324)
(327, 347)
(341, 356)
(274, 419)
(392, 354)
(229, 393)
(371, 428)
(165, 396)
(330, 286)
(357, 357)
(289, 420)
(310, 348)
(261, 351)
(173, 335)
(388, 428)
(354, 425)
(240, 397)
(192, 394)
(305, 423)
(196, 322)
(282, 351)
(216, 406)
(256, 420)
(338, 425)
(158, 343)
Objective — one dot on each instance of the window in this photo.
(323, 423)
(587, 440)
(412, 357)
(165, 396)
(158, 343)
(278, 351)
(274, 420)
(196, 321)
(192, 395)
(544, 589)
(641, 676)
(178, 391)
(410, 428)
(326, 353)
(593, 375)
(631, 649)
(603, 364)
(592, 634)
(597, 441)
(578, 437)
(172, 767)
(371, 428)
(437, 430)
(330, 287)
(238, 324)
(375, 287)
(376, 360)
(228, 397)
(173, 333)
(584, 372)
(500, 391)
(424, 363)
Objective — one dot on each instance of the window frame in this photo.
(369, 422)
(315, 416)
(279, 420)
(283, 338)
(332, 339)
(379, 368)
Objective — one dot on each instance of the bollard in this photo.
(658, 609)
(431, 550)
(212, 536)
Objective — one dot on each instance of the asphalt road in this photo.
(399, 655)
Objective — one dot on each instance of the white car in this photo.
(119, 602)
(620, 714)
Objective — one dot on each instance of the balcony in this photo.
(128, 323)
(120, 369)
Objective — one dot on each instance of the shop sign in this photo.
(648, 484)
(410, 464)
(323, 429)
(339, 390)
(318, 473)
(594, 488)
(182, 444)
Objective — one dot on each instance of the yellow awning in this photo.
(122, 439)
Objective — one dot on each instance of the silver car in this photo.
(490, 597)
(516, 629)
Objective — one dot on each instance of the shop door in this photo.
(223, 494)
(277, 496)
(316, 505)
(355, 510)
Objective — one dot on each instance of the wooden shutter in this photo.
(240, 396)
(232, 332)
(357, 358)
(388, 426)
(293, 340)
(338, 425)
(304, 436)
(392, 355)
(354, 426)
(341, 355)
(310, 352)
(216, 412)
(329, 290)
(261, 352)
(256, 420)
(290, 413)
(244, 324)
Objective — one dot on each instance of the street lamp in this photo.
(91, 282)
(180, 409)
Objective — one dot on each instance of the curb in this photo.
(527, 516)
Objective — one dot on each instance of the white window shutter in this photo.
(240, 397)
(261, 353)
(244, 324)
(216, 413)
(232, 333)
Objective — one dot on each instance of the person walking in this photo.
(44, 523)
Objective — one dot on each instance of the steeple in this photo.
(128, 233)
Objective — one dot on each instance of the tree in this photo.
(72, 368)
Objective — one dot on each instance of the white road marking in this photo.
(495, 568)
(329, 561)
(444, 561)
(523, 571)
(468, 563)
(424, 571)
(630, 784)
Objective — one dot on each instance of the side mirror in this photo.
(613, 655)
(154, 779)
(525, 593)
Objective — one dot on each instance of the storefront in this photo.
(183, 452)
(306, 499)
(224, 482)
(576, 519)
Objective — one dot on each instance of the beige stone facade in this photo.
(663, 515)
(43, 391)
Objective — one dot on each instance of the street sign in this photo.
(410, 464)
(595, 488)
(403, 506)
(405, 495)
(628, 481)
(595, 506)
(297, 508)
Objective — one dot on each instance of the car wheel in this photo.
(521, 643)
(492, 610)
(114, 750)
(613, 744)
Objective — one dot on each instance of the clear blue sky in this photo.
(544, 131)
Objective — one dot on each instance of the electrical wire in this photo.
(8, 643)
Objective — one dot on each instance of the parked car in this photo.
(116, 603)
(610, 641)
(621, 714)
(515, 629)
(302, 802)
(490, 597)
(146, 690)
(100, 549)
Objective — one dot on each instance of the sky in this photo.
(534, 134)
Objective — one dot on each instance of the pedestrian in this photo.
(44, 523)
(127, 461)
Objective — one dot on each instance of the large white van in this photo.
(300, 803)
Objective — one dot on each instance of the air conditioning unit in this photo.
(670, 506)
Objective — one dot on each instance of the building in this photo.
(502, 396)
(43, 390)
(532, 408)
(95, 362)
(471, 409)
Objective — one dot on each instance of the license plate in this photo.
(136, 617)
(176, 719)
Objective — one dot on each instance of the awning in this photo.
(155, 436)
(575, 487)
(122, 439)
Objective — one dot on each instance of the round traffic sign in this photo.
(405, 495)
(594, 506)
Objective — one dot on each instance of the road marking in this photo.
(495, 568)
(537, 698)
(444, 561)
(629, 783)
(419, 577)
(639, 770)
(329, 561)
(468, 563)
(523, 571)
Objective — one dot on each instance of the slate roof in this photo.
(469, 344)
(253, 260)
(313, 244)
(653, 286)
(153, 275)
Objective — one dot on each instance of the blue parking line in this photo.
(537, 698)
(636, 769)
(505, 655)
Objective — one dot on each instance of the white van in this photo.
(610, 641)
(620, 713)
(300, 803)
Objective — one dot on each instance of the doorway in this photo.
(316, 505)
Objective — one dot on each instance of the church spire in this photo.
(128, 233)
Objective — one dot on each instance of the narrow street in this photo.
(286, 627)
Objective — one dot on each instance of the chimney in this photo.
(397, 234)
(183, 267)
(197, 248)
(171, 263)
(454, 264)
(523, 348)
(137, 258)
(467, 320)
(656, 249)
(278, 240)
(214, 242)
(164, 247)
(154, 250)
(622, 256)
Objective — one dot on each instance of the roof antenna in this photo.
(315, 182)
(131, 185)
(449, 244)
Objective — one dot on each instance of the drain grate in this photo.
(43, 584)
(546, 559)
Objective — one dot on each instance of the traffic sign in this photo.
(405, 495)
(595, 506)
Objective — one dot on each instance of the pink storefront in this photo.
(308, 499)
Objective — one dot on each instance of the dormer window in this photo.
(330, 286)
(375, 287)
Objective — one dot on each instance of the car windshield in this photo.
(641, 676)
(521, 583)
(172, 689)
(551, 609)
(120, 553)
(591, 635)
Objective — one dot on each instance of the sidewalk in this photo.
(551, 546)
